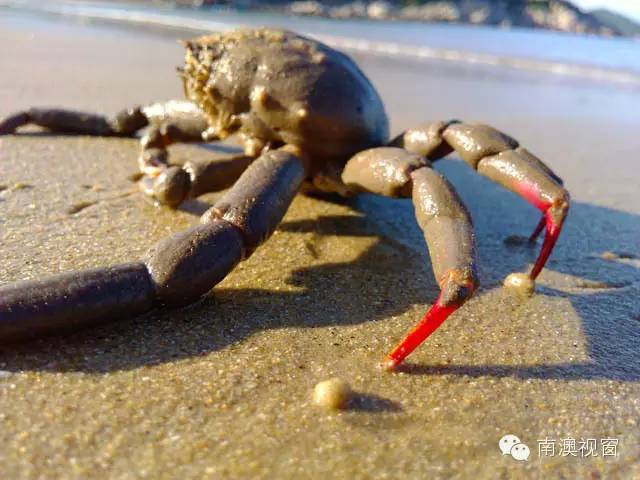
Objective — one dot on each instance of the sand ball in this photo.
(520, 284)
(334, 394)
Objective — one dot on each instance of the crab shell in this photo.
(275, 87)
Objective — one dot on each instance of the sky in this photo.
(630, 8)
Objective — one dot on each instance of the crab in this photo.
(308, 120)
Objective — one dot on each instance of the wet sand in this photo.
(222, 389)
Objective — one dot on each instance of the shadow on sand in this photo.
(607, 304)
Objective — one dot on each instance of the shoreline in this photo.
(183, 20)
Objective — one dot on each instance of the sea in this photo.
(607, 59)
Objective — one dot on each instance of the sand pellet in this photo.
(520, 284)
(334, 394)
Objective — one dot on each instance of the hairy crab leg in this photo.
(444, 220)
(499, 157)
(175, 272)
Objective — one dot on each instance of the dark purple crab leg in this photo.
(177, 183)
(73, 300)
(444, 220)
(59, 120)
(175, 272)
(184, 114)
(499, 157)
(169, 122)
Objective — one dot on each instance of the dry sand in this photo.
(222, 389)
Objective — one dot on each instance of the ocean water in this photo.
(607, 59)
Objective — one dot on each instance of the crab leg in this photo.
(71, 300)
(172, 184)
(170, 122)
(175, 272)
(499, 157)
(126, 123)
(444, 220)
(58, 120)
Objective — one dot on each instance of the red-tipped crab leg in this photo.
(539, 189)
(444, 220)
(449, 234)
(499, 157)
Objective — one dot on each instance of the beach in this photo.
(222, 388)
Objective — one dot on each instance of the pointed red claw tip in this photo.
(434, 317)
(550, 238)
(389, 364)
(553, 216)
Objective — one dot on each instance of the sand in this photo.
(223, 388)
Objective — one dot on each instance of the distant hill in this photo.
(619, 22)
(561, 15)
